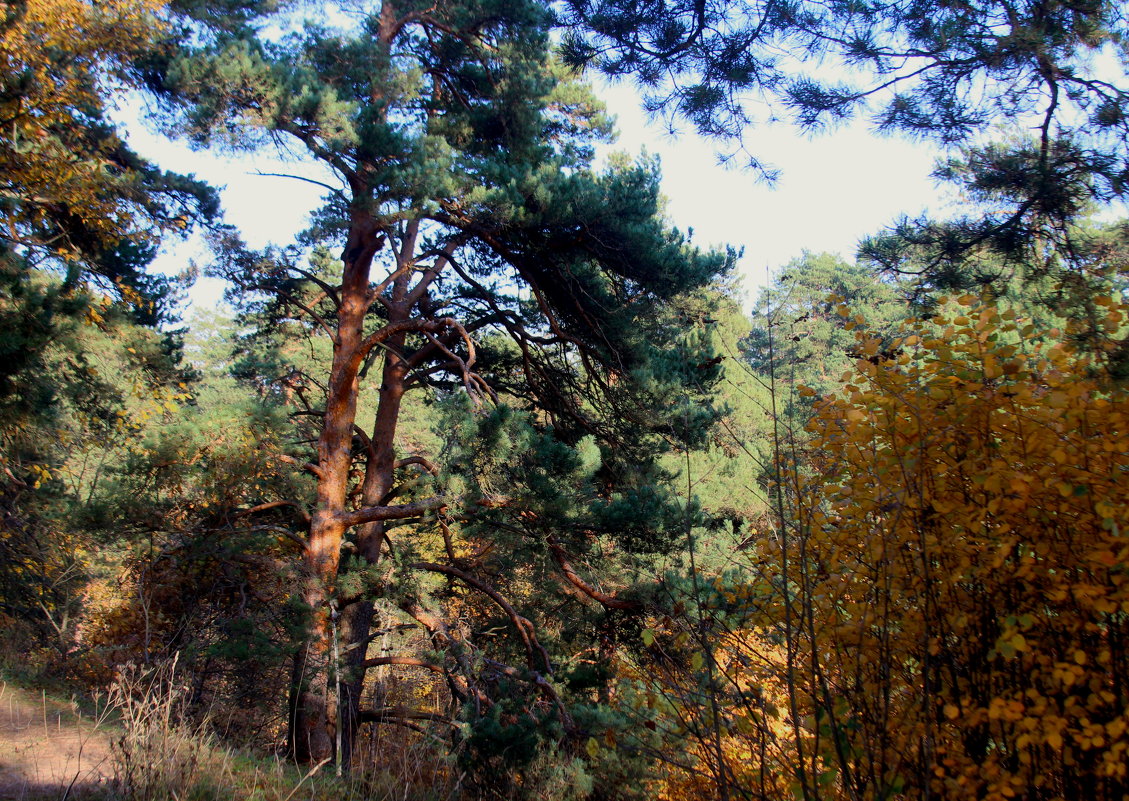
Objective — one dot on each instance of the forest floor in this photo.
(57, 750)
(49, 749)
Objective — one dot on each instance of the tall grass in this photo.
(162, 753)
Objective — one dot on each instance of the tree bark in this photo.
(313, 719)
(380, 475)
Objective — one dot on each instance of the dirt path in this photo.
(48, 750)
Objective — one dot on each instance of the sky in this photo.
(833, 190)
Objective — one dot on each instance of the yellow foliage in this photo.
(945, 612)
(56, 58)
(967, 576)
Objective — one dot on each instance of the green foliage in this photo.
(82, 370)
(949, 74)
(76, 402)
(945, 73)
(799, 338)
(531, 296)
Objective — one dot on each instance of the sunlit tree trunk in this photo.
(313, 707)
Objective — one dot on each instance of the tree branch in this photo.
(263, 507)
(422, 461)
(609, 601)
(415, 324)
(524, 627)
(307, 466)
(372, 514)
(395, 714)
(409, 661)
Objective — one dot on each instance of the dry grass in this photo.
(143, 744)
(161, 752)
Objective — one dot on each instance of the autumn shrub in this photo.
(203, 575)
(706, 693)
(943, 609)
(962, 592)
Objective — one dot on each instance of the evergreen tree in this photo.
(799, 338)
(81, 216)
(481, 256)
(944, 73)
(68, 423)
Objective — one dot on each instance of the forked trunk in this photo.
(380, 473)
(313, 704)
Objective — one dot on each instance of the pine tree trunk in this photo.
(313, 704)
(380, 473)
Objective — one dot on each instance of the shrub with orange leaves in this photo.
(943, 611)
(964, 587)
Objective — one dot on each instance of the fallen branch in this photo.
(408, 661)
(396, 714)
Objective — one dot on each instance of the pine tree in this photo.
(950, 74)
(480, 255)
(798, 338)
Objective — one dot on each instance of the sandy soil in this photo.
(48, 750)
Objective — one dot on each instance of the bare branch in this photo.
(442, 259)
(415, 324)
(609, 601)
(409, 661)
(307, 466)
(366, 440)
(314, 181)
(422, 461)
(289, 298)
(263, 507)
(523, 626)
(393, 714)
(372, 514)
(330, 291)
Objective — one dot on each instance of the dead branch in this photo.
(307, 466)
(372, 514)
(609, 601)
(393, 714)
(523, 626)
(408, 661)
(263, 507)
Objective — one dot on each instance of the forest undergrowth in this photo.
(487, 485)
